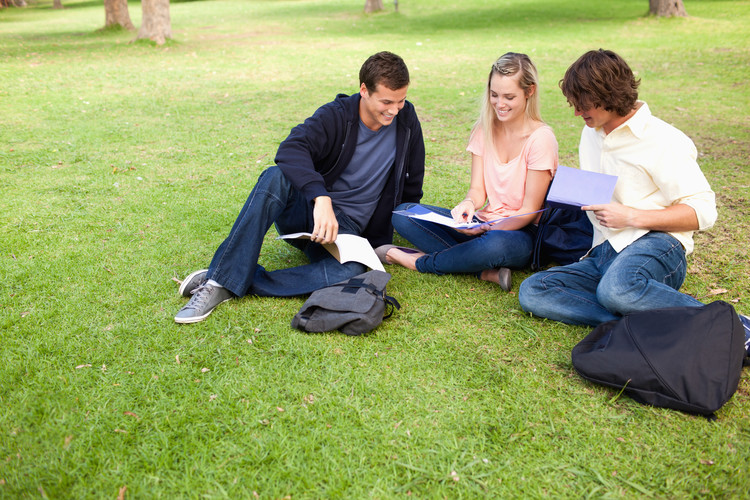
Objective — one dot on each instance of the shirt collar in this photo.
(638, 122)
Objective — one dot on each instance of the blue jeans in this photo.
(449, 251)
(274, 200)
(606, 285)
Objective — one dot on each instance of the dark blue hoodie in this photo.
(320, 148)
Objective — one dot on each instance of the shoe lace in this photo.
(201, 294)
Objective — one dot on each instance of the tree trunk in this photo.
(666, 8)
(116, 14)
(373, 6)
(155, 23)
(57, 4)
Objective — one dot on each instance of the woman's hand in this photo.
(464, 211)
(475, 231)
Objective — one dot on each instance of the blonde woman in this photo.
(513, 160)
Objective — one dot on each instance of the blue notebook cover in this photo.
(573, 188)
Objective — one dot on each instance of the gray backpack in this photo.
(355, 306)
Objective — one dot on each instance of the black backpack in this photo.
(563, 236)
(685, 358)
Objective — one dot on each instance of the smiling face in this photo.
(379, 108)
(507, 97)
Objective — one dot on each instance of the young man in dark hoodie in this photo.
(341, 171)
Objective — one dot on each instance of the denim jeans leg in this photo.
(490, 250)
(568, 293)
(646, 275)
(235, 261)
(322, 271)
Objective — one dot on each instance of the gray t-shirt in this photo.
(357, 191)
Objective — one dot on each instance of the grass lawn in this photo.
(123, 166)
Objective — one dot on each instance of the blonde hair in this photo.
(509, 64)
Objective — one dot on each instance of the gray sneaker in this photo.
(192, 281)
(205, 299)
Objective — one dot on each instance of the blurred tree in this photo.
(116, 14)
(667, 8)
(156, 24)
(373, 6)
(12, 3)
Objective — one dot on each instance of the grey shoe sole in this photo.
(192, 281)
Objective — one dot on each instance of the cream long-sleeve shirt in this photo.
(656, 168)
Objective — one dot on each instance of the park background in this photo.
(123, 166)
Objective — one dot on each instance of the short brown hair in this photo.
(384, 68)
(601, 79)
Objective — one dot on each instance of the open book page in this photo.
(573, 188)
(347, 248)
(422, 213)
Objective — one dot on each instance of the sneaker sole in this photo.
(188, 279)
(198, 319)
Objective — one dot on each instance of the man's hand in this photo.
(613, 215)
(675, 218)
(326, 227)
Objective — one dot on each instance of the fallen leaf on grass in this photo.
(177, 358)
(204, 370)
(717, 291)
(121, 493)
(83, 366)
(25, 313)
(122, 431)
(707, 462)
(68, 440)
(454, 476)
(131, 414)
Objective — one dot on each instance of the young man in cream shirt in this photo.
(641, 239)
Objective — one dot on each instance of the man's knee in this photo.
(620, 296)
(273, 177)
(529, 291)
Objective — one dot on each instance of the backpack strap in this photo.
(353, 285)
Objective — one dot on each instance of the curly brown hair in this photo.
(601, 79)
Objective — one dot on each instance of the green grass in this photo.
(123, 166)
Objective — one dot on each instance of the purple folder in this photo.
(573, 188)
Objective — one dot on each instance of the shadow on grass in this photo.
(455, 18)
(439, 19)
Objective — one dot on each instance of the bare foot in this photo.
(405, 259)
